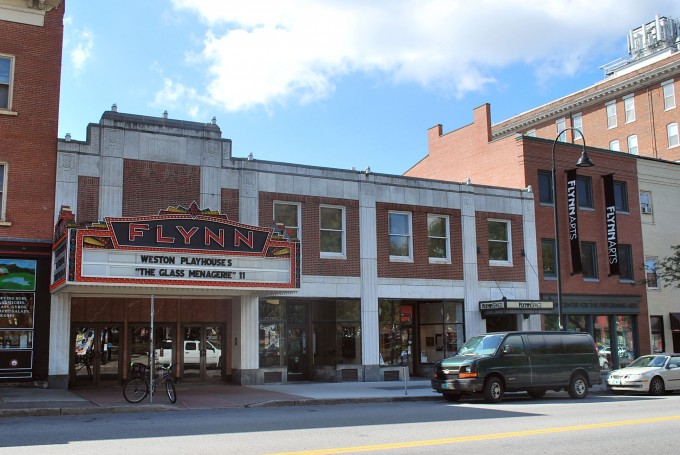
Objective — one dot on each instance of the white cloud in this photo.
(175, 95)
(82, 51)
(268, 52)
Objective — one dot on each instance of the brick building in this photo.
(631, 113)
(30, 70)
(392, 269)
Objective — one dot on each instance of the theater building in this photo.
(249, 271)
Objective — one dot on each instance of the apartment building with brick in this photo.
(631, 113)
(375, 272)
(30, 71)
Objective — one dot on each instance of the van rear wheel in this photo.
(578, 387)
(493, 390)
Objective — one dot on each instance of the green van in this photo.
(534, 362)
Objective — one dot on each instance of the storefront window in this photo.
(336, 326)
(658, 342)
(624, 335)
(388, 315)
(272, 316)
(441, 330)
(577, 323)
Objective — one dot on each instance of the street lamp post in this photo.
(583, 161)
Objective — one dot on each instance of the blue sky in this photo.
(336, 83)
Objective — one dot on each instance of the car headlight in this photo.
(634, 377)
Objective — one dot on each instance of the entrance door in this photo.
(201, 354)
(298, 369)
(95, 360)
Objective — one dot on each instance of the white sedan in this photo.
(654, 374)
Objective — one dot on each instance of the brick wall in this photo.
(229, 204)
(312, 263)
(28, 139)
(151, 186)
(421, 266)
(88, 200)
(488, 272)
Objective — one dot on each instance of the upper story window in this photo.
(650, 273)
(500, 244)
(584, 192)
(625, 262)
(561, 126)
(548, 255)
(6, 73)
(672, 135)
(3, 189)
(633, 144)
(589, 260)
(621, 196)
(645, 202)
(668, 95)
(545, 193)
(332, 231)
(577, 122)
(611, 114)
(288, 214)
(614, 146)
(401, 240)
(438, 243)
(629, 108)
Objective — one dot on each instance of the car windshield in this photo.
(651, 361)
(481, 345)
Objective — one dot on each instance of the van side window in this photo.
(575, 345)
(513, 345)
(545, 344)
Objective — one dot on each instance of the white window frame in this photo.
(668, 89)
(3, 190)
(409, 235)
(298, 228)
(646, 207)
(447, 257)
(629, 107)
(10, 88)
(648, 270)
(633, 144)
(508, 231)
(577, 122)
(561, 124)
(343, 232)
(615, 146)
(673, 136)
(610, 109)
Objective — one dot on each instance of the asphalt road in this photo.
(553, 425)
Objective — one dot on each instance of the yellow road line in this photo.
(483, 437)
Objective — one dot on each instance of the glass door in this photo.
(96, 358)
(201, 353)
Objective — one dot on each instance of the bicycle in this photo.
(137, 387)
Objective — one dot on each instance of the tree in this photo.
(668, 269)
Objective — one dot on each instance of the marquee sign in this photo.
(190, 248)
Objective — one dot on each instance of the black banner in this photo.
(572, 213)
(610, 220)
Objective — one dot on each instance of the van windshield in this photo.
(481, 345)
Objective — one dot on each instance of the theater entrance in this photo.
(95, 356)
(201, 354)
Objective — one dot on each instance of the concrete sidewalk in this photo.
(32, 401)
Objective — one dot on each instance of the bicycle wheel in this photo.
(170, 388)
(135, 390)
